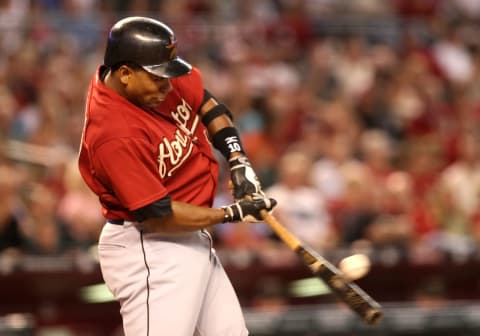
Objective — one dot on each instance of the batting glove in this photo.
(248, 210)
(245, 181)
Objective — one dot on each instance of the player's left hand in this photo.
(248, 210)
(244, 180)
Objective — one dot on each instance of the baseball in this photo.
(355, 266)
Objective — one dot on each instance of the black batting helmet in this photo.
(148, 43)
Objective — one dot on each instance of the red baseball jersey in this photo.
(131, 157)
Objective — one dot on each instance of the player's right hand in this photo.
(248, 210)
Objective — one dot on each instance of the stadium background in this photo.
(365, 112)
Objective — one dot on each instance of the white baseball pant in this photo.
(168, 285)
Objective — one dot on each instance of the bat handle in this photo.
(281, 231)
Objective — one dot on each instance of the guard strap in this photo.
(216, 111)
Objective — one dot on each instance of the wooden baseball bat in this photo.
(346, 290)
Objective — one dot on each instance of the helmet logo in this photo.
(173, 42)
(172, 46)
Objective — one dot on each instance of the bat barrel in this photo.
(358, 300)
(349, 292)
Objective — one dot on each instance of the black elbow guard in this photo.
(216, 111)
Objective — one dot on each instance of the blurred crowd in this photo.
(360, 117)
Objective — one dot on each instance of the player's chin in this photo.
(153, 103)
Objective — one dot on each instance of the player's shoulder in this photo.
(97, 134)
(192, 80)
(113, 122)
(190, 87)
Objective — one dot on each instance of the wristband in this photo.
(227, 141)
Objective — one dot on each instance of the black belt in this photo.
(115, 221)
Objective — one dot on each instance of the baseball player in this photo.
(146, 152)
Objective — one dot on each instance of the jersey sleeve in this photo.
(191, 86)
(125, 167)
